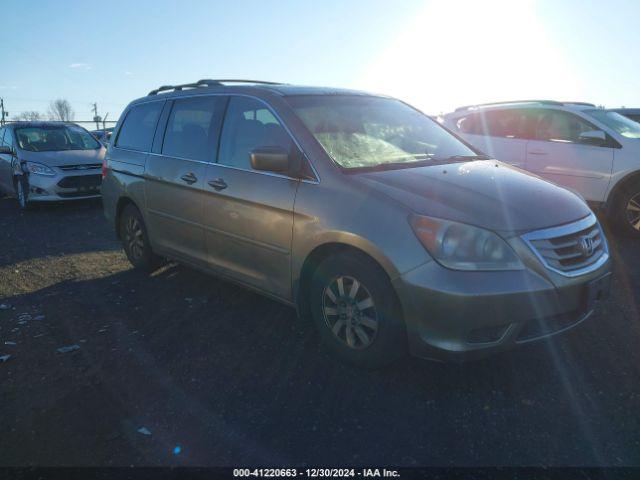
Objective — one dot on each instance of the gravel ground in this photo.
(220, 376)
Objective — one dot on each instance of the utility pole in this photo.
(96, 117)
(3, 113)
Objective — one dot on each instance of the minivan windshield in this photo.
(621, 124)
(369, 132)
(54, 138)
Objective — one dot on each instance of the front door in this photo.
(557, 153)
(248, 215)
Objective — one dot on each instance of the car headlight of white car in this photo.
(38, 169)
(464, 247)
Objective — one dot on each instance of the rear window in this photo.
(139, 126)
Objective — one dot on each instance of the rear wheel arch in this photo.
(617, 205)
(123, 202)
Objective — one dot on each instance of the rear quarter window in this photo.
(139, 127)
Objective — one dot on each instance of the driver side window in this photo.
(248, 125)
(561, 127)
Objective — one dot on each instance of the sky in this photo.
(434, 54)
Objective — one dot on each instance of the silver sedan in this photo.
(49, 161)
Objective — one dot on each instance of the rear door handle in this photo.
(538, 152)
(189, 178)
(218, 184)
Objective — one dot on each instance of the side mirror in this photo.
(593, 137)
(270, 159)
(5, 150)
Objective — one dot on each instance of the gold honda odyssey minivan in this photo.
(386, 230)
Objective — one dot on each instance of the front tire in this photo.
(355, 311)
(135, 240)
(21, 185)
(626, 210)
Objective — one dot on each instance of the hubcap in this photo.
(633, 211)
(349, 312)
(133, 237)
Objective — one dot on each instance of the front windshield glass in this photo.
(366, 131)
(621, 124)
(54, 138)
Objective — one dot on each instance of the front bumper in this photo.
(455, 315)
(74, 185)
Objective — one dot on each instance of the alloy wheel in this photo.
(134, 238)
(350, 312)
(633, 211)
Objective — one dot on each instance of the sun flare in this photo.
(463, 52)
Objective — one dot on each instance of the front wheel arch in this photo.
(22, 181)
(314, 259)
(386, 340)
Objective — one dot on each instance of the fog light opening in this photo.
(487, 334)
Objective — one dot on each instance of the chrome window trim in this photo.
(315, 181)
(180, 158)
(260, 172)
(567, 229)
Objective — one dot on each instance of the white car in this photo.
(589, 150)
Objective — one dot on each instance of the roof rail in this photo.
(207, 83)
(546, 102)
(586, 104)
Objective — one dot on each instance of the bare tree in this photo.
(60, 109)
(30, 116)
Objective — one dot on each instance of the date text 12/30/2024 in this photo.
(315, 472)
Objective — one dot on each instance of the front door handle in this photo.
(538, 152)
(218, 184)
(189, 178)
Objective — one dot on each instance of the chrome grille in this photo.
(89, 166)
(571, 250)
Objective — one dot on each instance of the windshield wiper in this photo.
(460, 158)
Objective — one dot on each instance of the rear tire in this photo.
(135, 241)
(626, 210)
(355, 311)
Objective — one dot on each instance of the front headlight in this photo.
(463, 247)
(39, 169)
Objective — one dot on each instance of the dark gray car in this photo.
(361, 212)
(49, 161)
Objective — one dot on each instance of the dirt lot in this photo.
(222, 376)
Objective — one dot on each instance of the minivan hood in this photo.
(488, 194)
(65, 157)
